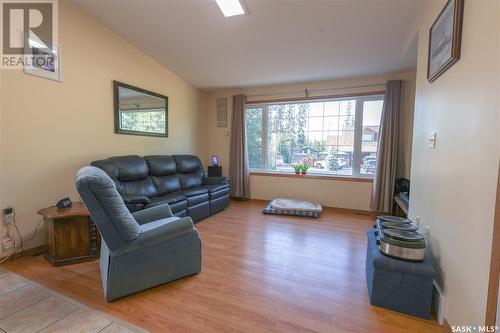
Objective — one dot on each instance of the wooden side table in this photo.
(72, 237)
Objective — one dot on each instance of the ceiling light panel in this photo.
(230, 7)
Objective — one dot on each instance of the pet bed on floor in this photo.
(292, 207)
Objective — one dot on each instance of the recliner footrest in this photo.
(219, 194)
(199, 211)
(216, 205)
(196, 200)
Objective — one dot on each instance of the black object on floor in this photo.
(214, 171)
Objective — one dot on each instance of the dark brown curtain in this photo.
(238, 158)
(388, 149)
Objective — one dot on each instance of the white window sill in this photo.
(311, 176)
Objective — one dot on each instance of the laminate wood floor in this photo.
(261, 273)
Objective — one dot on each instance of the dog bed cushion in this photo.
(292, 207)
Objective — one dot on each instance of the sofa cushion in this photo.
(167, 198)
(166, 184)
(197, 199)
(215, 187)
(187, 163)
(216, 180)
(108, 165)
(135, 199)
(130, 175)
(143, 187)
(177, 203)
(192, 192)
(191, 180)
(190, 171)
(127, 168)
(161, 165)
(130, 167)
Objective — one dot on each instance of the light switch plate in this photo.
(432, 140)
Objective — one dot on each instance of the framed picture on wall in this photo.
(445, 38)
(45, 58)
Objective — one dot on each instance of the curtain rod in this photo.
(309, 91)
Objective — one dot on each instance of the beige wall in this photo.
(453, 185)
(2, 228)
(50, 129)
(333, 193)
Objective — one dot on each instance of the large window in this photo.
(334, 136)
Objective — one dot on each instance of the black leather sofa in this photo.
(178, 180)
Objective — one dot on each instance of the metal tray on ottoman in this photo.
(399, 239)
(398, 285)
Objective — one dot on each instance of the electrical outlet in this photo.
(8, 215)
(8, 210)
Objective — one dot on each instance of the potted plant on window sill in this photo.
(297, 167)
(303, 168)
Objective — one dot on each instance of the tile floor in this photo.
(27, 307)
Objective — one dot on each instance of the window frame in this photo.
(358, 133)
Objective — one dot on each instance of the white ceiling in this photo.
(279, 41)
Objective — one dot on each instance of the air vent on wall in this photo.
(221, 112)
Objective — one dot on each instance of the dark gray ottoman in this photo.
(399, 285)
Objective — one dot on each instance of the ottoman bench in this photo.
(399, 285)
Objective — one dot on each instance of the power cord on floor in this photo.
(19, 245)
(13, 250)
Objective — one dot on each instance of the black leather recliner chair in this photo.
(177, 180)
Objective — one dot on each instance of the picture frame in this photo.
(445, 36)
(46, 59)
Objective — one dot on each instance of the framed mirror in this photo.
(139, 112)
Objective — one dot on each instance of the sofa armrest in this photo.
(216, 180)
(135, 199)
(159, 234)
(153, 214)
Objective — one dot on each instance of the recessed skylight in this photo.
(230, 7)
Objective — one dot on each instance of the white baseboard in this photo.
(439, 303)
